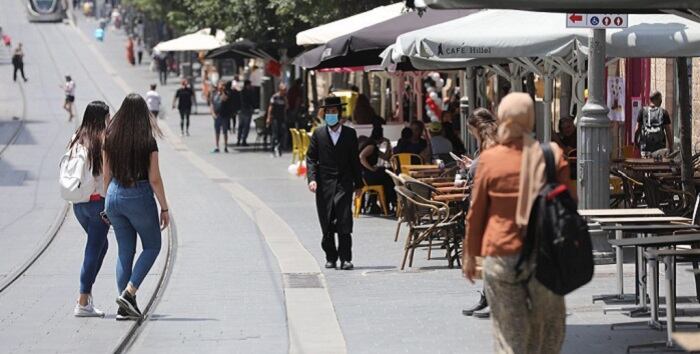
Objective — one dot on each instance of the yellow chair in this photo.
(305, 142)
(403, 159)
(378, 190)
(296, 145)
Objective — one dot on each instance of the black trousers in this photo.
(344, 250)
(163, 76)
(184, 119)
(21, 70)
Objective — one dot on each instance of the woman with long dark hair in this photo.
(482, 125)
(89, 136)
(132, 175)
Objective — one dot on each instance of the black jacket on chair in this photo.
(337, 172)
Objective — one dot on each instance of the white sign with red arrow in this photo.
(578, 20)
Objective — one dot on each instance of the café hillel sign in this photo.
(596, 21)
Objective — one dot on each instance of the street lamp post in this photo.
(593, 150)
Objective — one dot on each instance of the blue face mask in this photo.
(331, 119)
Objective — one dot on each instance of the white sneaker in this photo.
(88, 310)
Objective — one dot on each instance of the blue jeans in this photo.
(88, 215)
(245, 116)
(133, 210)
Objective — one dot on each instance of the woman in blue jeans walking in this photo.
(132, 175)
(90, 135)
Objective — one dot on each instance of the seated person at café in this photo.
(416, 144)
(402, 145)
(457, 144)
(372, 172)
(566, 138)
(439, 144)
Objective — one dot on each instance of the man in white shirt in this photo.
(153, 101)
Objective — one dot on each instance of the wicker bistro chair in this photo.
(398, 182)
(667, 198)
(428, 221)
(632, 188)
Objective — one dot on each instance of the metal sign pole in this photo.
(593, 150)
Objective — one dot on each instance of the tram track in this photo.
(127, 340)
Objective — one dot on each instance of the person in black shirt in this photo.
(185, 98)
(566, 138)
(653, 127)
(276, 118)
(372, 173)
(246, 114)
(233, 102)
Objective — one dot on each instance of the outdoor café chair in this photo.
(402, 159)
(671, 200)
(421, 233)
(377, 190)
(296, 145)
(632, 188)
(305, 142)
(398, 182)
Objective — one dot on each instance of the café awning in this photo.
(542, 35)
(200, 40)
(324, 33)
(362, 47)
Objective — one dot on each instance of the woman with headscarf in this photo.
(527, 317)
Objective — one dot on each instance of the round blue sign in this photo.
(595, 21)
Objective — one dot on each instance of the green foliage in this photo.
(272, 24)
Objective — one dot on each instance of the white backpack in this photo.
(75, 177)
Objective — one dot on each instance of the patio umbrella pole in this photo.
(594, 142)
(685, 130)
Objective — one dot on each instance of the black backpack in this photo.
(653, 135)
(558, 235)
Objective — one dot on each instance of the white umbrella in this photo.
(200, 40)
(324, 33)
(542, 34)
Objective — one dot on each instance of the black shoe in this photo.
(347, 265)
(244, 144)
(483, 313)
(331, 265)
(122, 315)
(127, 302)
(482, 304)
(238, 143)
(226, 150)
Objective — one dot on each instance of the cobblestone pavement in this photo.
(226, 292)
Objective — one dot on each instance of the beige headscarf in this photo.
(516, 116)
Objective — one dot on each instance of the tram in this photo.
(45, 10)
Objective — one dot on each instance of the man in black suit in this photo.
(333, 172)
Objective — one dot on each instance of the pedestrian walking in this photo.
(18, 62)
(132, 174)
(653, 127)
(130, 51)
(185, 99)
(482, 125)
(277, 118)
(69, 90)
(139, 49)
(234, 102)
(247, 108)
(333, 174)
(153, 101)
(221, 123)
(87, 143)
(526, 316)
(162, 62)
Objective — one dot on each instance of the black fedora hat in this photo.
(332, 101)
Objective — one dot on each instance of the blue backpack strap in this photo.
(550, 164)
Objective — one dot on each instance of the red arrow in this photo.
(575, 18)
